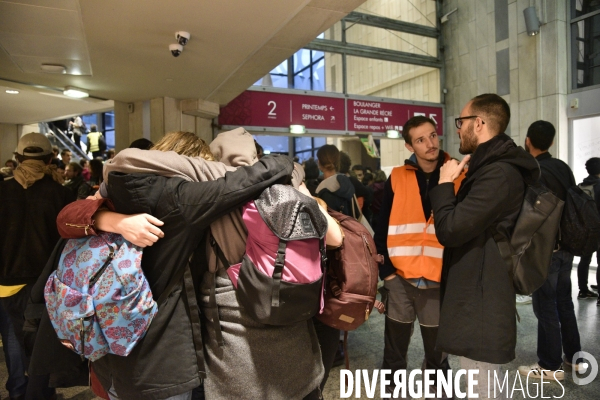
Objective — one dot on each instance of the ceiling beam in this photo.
(391, 24)
(350, 49)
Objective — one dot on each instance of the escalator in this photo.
(59, 138)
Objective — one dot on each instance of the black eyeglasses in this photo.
(459, 121)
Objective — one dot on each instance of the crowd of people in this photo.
(435, 220)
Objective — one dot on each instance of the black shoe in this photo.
(587, 294)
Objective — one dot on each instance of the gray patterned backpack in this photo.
(280, 279)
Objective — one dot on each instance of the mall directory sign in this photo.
(264, 109)
(280, 110)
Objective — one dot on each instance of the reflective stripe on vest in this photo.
(412, 245)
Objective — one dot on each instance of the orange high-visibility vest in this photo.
(412, 245)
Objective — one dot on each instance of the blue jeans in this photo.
(553, 307)
(16, 384)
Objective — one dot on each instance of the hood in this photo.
(591, 180)
(234, 148)
(338, 185)
(503, 148)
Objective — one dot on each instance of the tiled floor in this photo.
(366, 348)
(366, 351)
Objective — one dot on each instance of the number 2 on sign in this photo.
(274, 105)
(432, 116)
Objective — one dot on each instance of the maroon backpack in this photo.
(352, 275)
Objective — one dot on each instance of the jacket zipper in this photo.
(85, 227)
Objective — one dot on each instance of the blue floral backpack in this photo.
(98, 299)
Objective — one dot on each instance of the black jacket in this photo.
(383, 223)
(28, 221)
(79, 187)
(163, 364)
(556, 175)
(342, 197)
(593, 180)
(477, 318)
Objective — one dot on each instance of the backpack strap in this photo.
(277, 272)
(212, 297)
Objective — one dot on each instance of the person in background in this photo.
(75, 182)
(260, 152)
(142, 144)
(16, 383)
(65, 159)
(96, 169)
(364, 195)
(55, 159)
(12, 164)
(311, 170)
(110, 154)
(78, 127)
(359, 171)
(552, 302)
(30, 204)
(583, 269)
(368, 179)
(85, 170)
(94, 139)
(377, 187)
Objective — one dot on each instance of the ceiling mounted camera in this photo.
(182, 37)
(175, 49)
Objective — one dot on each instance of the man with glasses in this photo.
(478, 312)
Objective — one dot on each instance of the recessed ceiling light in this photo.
(54, 68)
(12, 91)
(75, 92)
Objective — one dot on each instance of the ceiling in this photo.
(118, 50)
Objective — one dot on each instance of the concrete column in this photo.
(122, 117)
(9, 138)
(152, 119)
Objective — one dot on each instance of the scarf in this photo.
(30, 171)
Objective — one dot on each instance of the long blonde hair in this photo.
(185, 144)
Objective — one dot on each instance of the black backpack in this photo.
(101, 143)
(528, 253)
(580, 224)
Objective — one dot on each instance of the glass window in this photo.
(273, 144)
(306, 147)
(582, 7)
(585, 44)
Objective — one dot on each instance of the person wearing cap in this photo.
(30, 204)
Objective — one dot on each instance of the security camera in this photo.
(182, 37)
(176, 49)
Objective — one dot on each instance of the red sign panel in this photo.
(379, 117)
(280, 110)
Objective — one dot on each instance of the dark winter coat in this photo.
(594, 180)
(163, 363)
(478, 309)
(338, 192)
(556, 176)
(28, 221)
